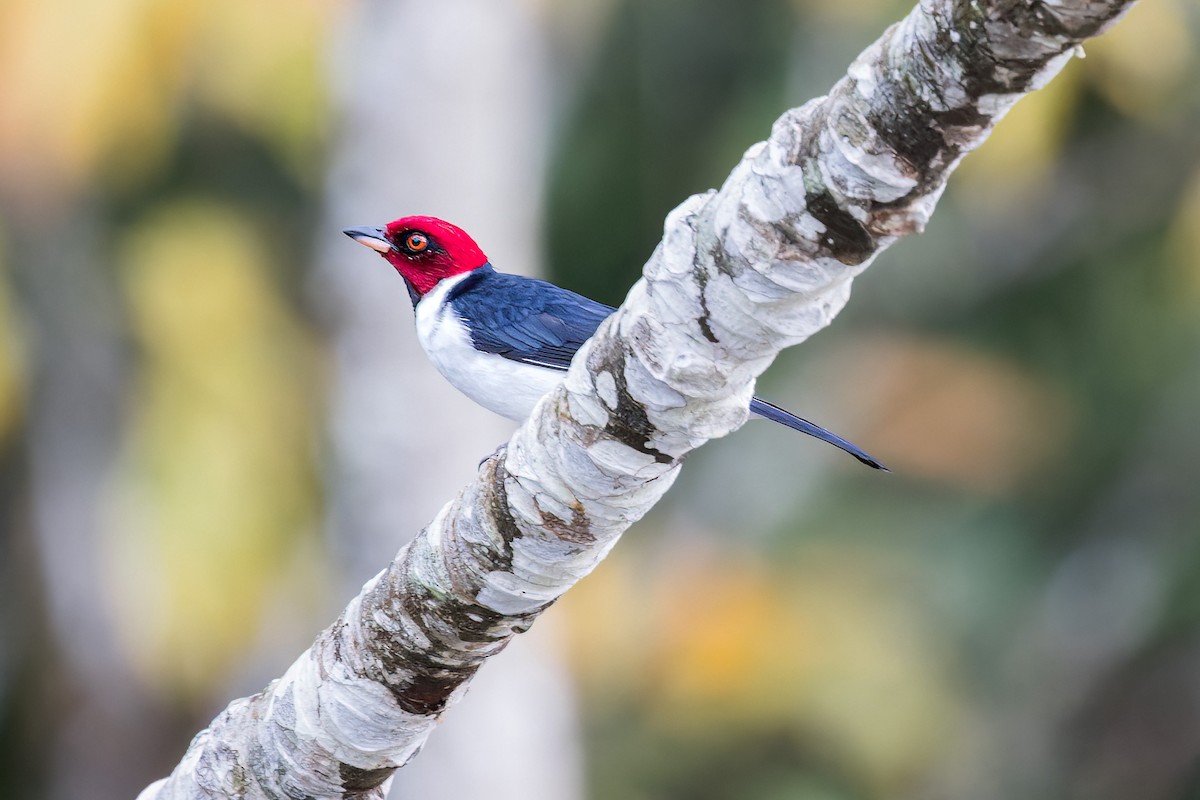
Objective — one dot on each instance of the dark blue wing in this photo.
(526, 320)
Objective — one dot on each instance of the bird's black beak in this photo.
(374, 238)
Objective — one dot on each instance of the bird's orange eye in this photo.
(416, 242)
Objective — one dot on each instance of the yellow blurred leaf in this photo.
(955, 415)
(1017, 157)
(263, 69)
(1140, 64)
(1184, 241)
(217, 480)
(88, 81)
(827, 644)
(607, 647)
(12, 372)
(96, 88)
(722, 628)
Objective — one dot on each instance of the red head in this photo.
(424, 250)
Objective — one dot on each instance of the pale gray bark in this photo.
(740, 274)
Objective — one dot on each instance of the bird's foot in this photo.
(497, 453)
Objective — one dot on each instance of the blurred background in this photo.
(215, 423)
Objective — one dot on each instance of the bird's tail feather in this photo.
(776, 414)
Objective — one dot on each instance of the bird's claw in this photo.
(499, 451)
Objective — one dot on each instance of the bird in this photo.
(505, 340)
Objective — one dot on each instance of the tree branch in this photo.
(740, 274)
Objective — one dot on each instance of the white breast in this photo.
(509, 388)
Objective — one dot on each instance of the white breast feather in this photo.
(508, 388)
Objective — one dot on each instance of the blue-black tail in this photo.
(777, 414)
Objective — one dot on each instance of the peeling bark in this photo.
(741, 273)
